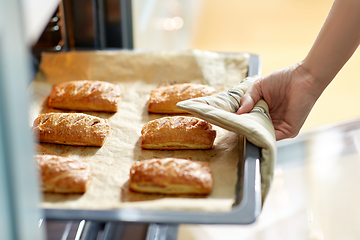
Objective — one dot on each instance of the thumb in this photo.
(250, 98)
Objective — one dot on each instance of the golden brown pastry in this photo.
(171, 176)
(85, 95)
(164, 99)
(63, 174)
(178, 132)
(71, 129)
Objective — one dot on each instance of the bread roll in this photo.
(71, 129)
(85, 95)
(177, 132)
(171, 176)
(164, 99)
(63, 174)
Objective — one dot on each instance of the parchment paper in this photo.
(137, 73)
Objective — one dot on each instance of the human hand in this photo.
(290, 94)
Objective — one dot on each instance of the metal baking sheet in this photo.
(247, 199)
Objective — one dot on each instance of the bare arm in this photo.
(336, 42)
(292, 92)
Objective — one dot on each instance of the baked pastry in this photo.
(71, 129)
(85, 95)
(63, 174)
(164, 99)
(171, 176)
(177, 132)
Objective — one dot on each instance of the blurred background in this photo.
(280, 31)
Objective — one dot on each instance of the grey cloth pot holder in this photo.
(220, 109)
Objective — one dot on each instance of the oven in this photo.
(78, 26)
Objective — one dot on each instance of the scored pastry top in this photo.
(71, 128)
(177, 122)
(164, 99)
(63, 174)
(169, 172)
(85, 95)
(178, 132)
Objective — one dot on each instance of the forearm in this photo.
(336, 42)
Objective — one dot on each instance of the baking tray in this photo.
(247, 199)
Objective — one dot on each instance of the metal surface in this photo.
(254, 65)
(126, 24)
(97, 24)
(162, 231)
(80, 230)
(19, 193)
(92, 230)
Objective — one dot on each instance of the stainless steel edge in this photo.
(162, 231)
(254, 65)
(127, 24)
(19, 191)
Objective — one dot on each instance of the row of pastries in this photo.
(168, 175)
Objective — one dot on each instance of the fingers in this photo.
(280, 135)
(246, 104)
(250, 98)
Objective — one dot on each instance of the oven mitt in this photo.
(220, 109)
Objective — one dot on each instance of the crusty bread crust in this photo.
(171, 176)
(85, 95)
(164, 99)
(71, 129)
(63, 174)
(177, 132)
